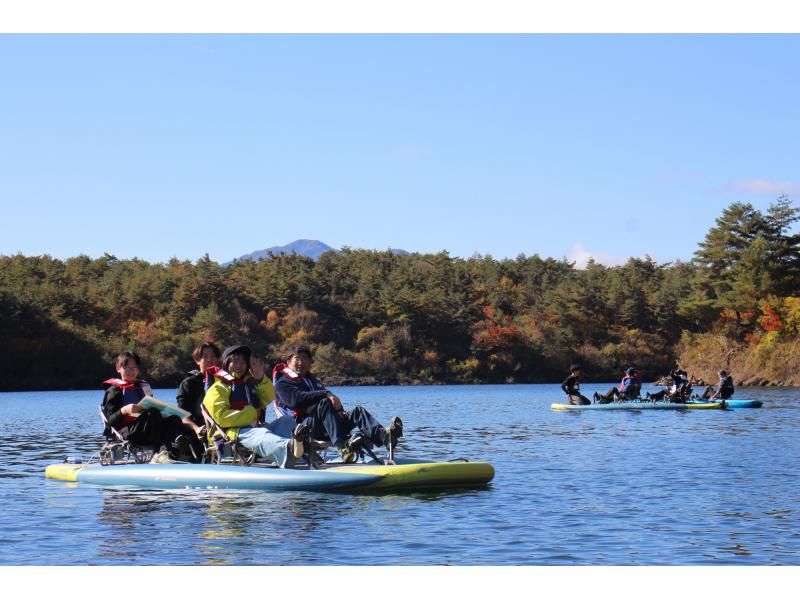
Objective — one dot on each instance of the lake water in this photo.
(572, 488)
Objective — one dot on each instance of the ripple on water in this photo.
(622, 488)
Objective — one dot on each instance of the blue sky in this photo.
(563, 145)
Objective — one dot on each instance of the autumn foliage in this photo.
(376, 317)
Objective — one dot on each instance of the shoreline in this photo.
(760, 383)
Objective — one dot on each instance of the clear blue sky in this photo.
(158, 146)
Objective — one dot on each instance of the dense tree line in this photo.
(380, 317)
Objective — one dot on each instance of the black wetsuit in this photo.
(572, 387)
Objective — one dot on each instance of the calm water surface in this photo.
(609, 488)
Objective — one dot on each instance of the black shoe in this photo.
(393, 433)
(356, 443)
(301, 432)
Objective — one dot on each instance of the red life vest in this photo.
(241, 390)
(282, 370)
(132, 392)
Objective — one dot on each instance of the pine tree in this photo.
(784, 246)
(720, 254)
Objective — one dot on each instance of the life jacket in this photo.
(132, 392)
(626, 383)
(726, 383)
(282, 370)
(243, 392)
(277, 374)
(630, 386)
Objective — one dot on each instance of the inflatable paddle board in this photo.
(634, 406)
(407, 474)
(732, 403)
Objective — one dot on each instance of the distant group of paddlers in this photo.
(630, 388)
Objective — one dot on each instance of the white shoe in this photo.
(162, 458)
(296, 448)
(299, 434)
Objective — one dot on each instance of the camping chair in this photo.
(223, 448)
(118, 448)
(314, 450)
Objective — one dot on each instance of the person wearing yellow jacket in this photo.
(240, 391)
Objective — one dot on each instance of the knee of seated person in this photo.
(359, 411)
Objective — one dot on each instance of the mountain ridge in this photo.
(305, 247)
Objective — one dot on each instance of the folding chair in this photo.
(223, 448)
(118, 448)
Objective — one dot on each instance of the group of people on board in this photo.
(233, 390)
(630, 388)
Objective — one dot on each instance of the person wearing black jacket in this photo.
(297, 391)
(144, 427)
(193, 388)
(679, 392)
(724, 389)
(572, 387)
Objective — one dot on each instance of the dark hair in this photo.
(124, 356)
(198, 350)
(296, 350)
(228, 353)
(574, 368)
(723, 373)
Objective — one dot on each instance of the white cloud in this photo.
(581, 256)
(764, 187)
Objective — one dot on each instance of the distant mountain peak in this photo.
(304, 247)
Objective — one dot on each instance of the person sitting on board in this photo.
(193, 388)
(572, 387)
(628, 389)
(236, 401)
(302, 395)
(724, 390)
(145, 427)
(680, 390)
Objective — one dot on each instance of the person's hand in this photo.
(256, 368)
(198, 430)
(132, 409)
(337, 404)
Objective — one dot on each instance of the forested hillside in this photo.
(381, 317)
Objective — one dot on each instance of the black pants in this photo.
(665, 396)
(725, 394)
(609, 397)
(151, 430)
(329, 424)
